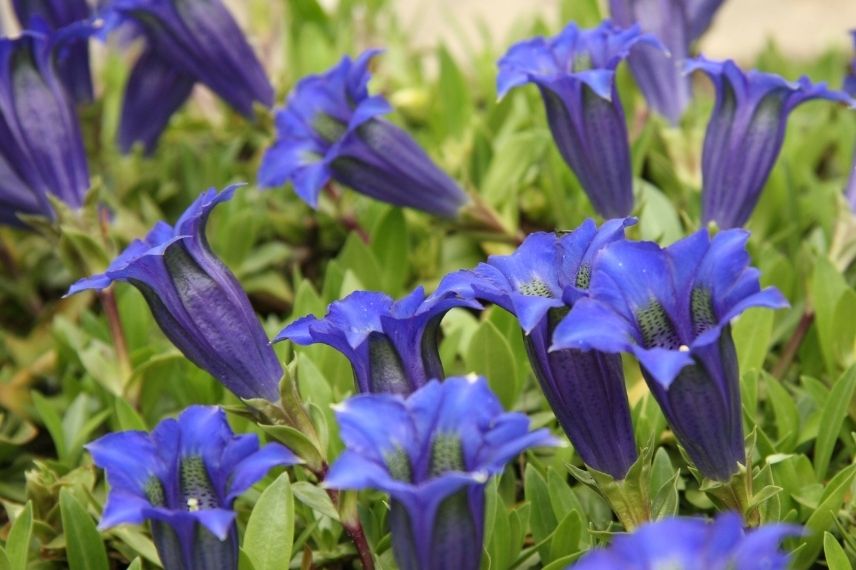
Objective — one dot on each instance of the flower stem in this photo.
(793, 345)
(351, 524)
(111, 310)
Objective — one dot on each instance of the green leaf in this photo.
(390, 245)
(50, 418)
(358, 258)
(752, 333)
(18, 542)
(835, 556)
(787, 414)
(127, 417)
(136, 564)
(542, 522)
(315, 498)
(84, 548)
(4, 561)
(270, 530)
(827, 288)
(834, 412)
(823, 517)
(489, 354)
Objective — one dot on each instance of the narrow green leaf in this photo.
(270, 530)
(53, 423)
(84, 547)
(835, 556)
(136, 564)
(315, 498)
(489, 354)
(752, 333)
(834, 412)
(4, 560)
(127, 417)
(18, 543)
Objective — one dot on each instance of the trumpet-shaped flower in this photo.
(73, 62)
(392, 345)
(672, 309)
(433, 453)
(197, 301)
(187, 41)
(695, 544)
(184, 478)
(330, 129)
(575, 72)
(539, 283)
(41, 150)
(745, 135)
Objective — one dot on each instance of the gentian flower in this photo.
(677, 24)
(41, 150)
(433, 453)
(197, 301)
(575, 72)
(73, 65)
(694, 544)
(187, 41)
(184, 478)
(330, 129)
(392, 345)
(850, 89)
(745, 134)
(539, 283)
(672, 309)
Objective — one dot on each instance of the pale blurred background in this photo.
(801, 28)
(741, 28)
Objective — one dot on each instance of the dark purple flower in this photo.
(41, 150)
(330, 129)
(392, 345)
(694, 543)
(745, 134)
(433, 453)
(187, 41)
(197, 301)
(575, 72)
(539, 283)
(73, 62)
(672, 308)
(184, 478)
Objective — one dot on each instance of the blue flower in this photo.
(197, 301)
(539, 283)
(329, 129)
(187, 41)
(672, 309)
(745, 134)
(575, 72)
(677, 24)
(73, 66)
(694, 544)
(184, 478)
(392, 345)
(433, 453)
(41, 150)
(850, 88)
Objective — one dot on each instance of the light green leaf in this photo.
(84, 547)
(315, 498)
(18, 543)
(835, 556)
(834, 412)
(270, 530)
(489, 355)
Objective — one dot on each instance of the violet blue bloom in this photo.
(184, 478)
(745, 135)
(433, 453)
(539, 283)
(671, 308)
(575, 72)
(187, 41)
(677, 24)
(41, 150)
(197, 301)
(850, 89)
(392, 345)
(695, 544)
(73, 60)
(330, 129)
